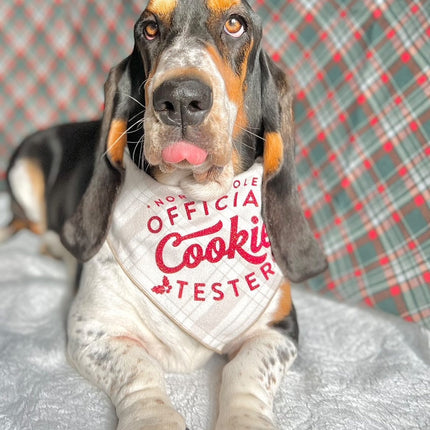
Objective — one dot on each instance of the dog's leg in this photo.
(52, 247)
(250, 381)
(121, 367)
(110, 343)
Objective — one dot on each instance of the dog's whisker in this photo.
(118, 139)
(138, 145)
(136, 125)
(133, 98)
(142, 85)
(238, 143)
(130, 128)
(252, 134)
(141, 159)
(140, 113)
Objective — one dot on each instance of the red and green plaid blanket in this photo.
(361, 70)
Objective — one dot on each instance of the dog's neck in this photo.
(203, 187)
(173, 178)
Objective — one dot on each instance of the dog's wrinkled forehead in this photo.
(230, 26)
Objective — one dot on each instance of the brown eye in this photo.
(151, 30)
(234, 27)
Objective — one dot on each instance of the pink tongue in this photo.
(184, 151)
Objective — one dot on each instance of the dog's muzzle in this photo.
(182, 103)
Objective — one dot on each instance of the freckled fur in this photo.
(218, 125)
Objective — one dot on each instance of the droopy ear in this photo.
(84, 233)
(295, 250)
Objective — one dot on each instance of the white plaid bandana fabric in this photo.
(207, 265)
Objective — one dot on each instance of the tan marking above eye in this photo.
(221, 5)
(162, 7)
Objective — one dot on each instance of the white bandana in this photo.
(207, 265)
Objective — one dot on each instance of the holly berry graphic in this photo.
(163, 289)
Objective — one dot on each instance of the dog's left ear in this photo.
(84, 233)
(294, 247)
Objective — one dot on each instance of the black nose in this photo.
(183, 101)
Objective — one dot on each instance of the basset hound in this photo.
(182, 203)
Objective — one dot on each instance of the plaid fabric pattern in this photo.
(55, 57)
(361, 75)
(361, 71)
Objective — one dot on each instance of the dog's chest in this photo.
(207, 265)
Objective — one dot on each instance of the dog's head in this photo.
(199, 100)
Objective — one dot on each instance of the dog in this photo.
(194, 159)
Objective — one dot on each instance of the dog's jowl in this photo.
(182, 203)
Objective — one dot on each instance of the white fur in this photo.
(51, 245)
(205, 191)
(23, 189)
(5, 233)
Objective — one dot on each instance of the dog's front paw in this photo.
(152, 424)
(161, 418)
(245, 420)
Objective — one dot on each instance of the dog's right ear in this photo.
(294, 247)
(84, 233)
